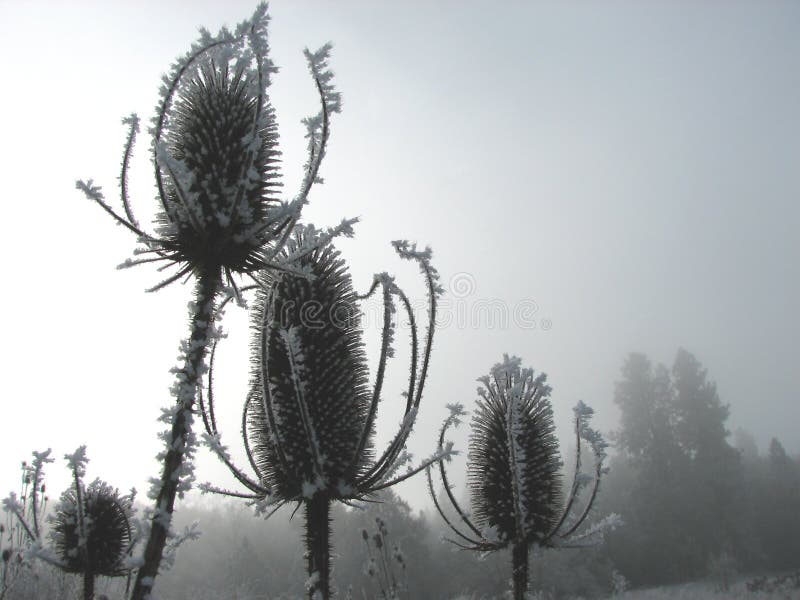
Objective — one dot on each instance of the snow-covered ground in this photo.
(773, 590)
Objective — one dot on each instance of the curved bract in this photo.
(514, 467)
(92, 533)
(310, 380)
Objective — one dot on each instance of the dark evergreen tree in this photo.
(700, 416)
(686, 497)
(715, 475)
(649, 451)
(780, 509)
(745, 444)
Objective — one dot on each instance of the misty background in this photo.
(610, 176)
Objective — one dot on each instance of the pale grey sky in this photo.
(628, 169)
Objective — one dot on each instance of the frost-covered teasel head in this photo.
(91, 528)
(514, 466)
(91, 531)
(312, 358)
(218, 162)
(310, 415)
(215, 157)
(514, 473)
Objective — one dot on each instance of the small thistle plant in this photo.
(91, 528)
(214, 153)
(514, 472)
(309, 419)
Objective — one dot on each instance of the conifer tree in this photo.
(648, 447)
(686, 501)
(713, 481)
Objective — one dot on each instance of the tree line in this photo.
(693, 496)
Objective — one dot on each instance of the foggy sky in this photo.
(620, 176)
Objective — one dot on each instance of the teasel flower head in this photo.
(514, 466)
(91, 531)
(215, 154)
(317, 380)
(309, 419)
(91, 528)
(514, 473)
(218, 163)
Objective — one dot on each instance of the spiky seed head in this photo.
(220, 158)
(107, 530)
(513, 461)
(309, 354)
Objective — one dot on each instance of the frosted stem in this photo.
(318, 547)
(88, 585)
(208, 286)
(519, 564)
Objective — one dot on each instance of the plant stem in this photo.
(208, 286)
(318, 547)
(519, 560)
(88, 585)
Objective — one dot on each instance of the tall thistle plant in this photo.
(309, 419)
(514, 473)
(91, 528)
(214, 152)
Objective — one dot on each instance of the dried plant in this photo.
(381, 563)
(514, 472)
(91, 529)
(25, 514)
(309, 419)
(214, 152)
